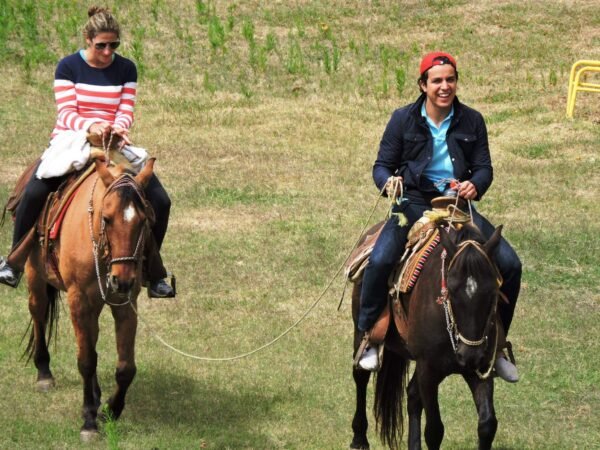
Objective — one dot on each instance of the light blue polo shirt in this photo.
(440, 166)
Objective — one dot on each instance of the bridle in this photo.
(444, 299)
(122, 181)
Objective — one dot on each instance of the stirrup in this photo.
(364, 345)
(509, 350)
(505, 366)
(369, 360)
(12, 275)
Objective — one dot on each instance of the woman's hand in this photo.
(467, 190)
(100, 128)
(123, 133)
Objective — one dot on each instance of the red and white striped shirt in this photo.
(86, 95)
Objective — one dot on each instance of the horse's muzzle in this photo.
(117, 285)
(469, 357)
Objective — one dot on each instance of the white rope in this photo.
(243, 355)
(284, 333)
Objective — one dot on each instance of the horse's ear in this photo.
(143, 177)
(447, 243)
(105, 175)
(492, 243)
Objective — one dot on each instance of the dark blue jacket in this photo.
(407, 147)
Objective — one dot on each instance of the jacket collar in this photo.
(415, 109)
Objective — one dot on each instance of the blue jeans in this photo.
(389, 248)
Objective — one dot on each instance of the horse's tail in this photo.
(50, 322)
(389, 394)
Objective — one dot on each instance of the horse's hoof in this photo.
(45, 385)
(358, 445)
(88, 435)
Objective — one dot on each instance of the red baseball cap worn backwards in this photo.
(436, 59)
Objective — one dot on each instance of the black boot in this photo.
(8, 275)
(160, 289)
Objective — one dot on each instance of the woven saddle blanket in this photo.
(423, 237)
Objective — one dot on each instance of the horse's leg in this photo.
(85, 323)
(429, 381)
(125, 329)
(483, 394)
(41, 309)
(415, 410)
(360, 422)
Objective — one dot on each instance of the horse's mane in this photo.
(127, 193)
(468, 231)
(470, 260)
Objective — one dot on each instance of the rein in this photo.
(444, 299)
(124, 180)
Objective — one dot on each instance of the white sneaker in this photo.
(506, 370)
(370, 359)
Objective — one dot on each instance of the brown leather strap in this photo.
(19, 254)
(379, 330)
(503, 346)
(361, 349)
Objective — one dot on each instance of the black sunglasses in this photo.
(102, 45)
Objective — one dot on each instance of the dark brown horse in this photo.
(450, 331)
(99, 250)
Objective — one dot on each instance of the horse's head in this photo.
(473, 283)
(123, 227)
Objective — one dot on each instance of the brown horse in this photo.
(450, 331)
(99, 250)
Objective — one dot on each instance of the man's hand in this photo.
(467, 190)
(393, 186)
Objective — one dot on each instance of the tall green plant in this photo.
(400, 80)
(137, 48)
(111, 429)
(295, 59)
(155, 7)
(7, 25)
(34, 48)
(205, 10)
(216, 33)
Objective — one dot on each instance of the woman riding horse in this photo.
(95, 90)
(425, 145)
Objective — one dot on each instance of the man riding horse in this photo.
(426, 146)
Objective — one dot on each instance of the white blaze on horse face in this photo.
(471, 287)
(129, 213)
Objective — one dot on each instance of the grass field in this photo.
(265, 118)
